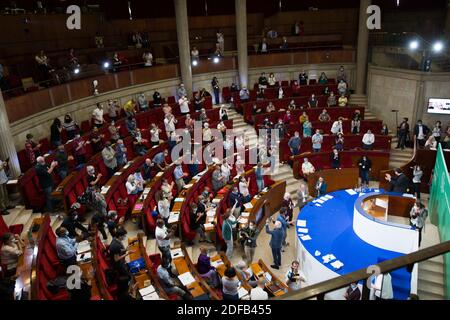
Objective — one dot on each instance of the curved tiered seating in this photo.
(349, 159)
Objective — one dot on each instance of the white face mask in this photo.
(353, 286)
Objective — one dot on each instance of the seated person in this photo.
(159, 160)
(368, 140)
(246, 273)
(139, 143)
(255, 109)
(168, 283)
(303, 117)
(244, 95)
(270, 108)
(323, 78)
(331, 101)
(313, 102)
(10, 252)
(260, 94)
(339, 142)
(336, 128)
(324, 116)
(66, 247)
(295, 88)
(307, 168)
(303, 78)
(262, 81)
(205, 269)
(71, 223)
(343, 101)
(132, 185)
(258, 293)
(291, 105)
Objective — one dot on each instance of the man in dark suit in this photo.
(403, 132)
(321, 187)
(400, 183)
(421, 132)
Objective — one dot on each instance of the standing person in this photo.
(417, 179)
(303, 195)
(383, 287)
(249, 235)
(44, 174)
(217, 179)
(70, 126)
(109, 158)
(418, 216)
(216, 90)
(236, 199)
(243, 189)
(183, 102)
(365, 166)
(317, 140)
(96, 140)
(295, 276)
(79, 147)
(230, 285)
(331, 101)
(289, 205)
(179, 175)
(276, 242)
(335, 159)
(121, 153)
(63, 159)
(421, 132)
(181, 91)
(97, 116)
(113, 110)
(294, 143)
(368, 140)
(403, 132)
(66, 247)
(307, 128)
(400, 183)
(337, 127)
(163, 237)
(353, 292)
(259, 173)
(71, 224)
(118, 253)
(114, 131)
(321, 187)
(157, 99)
(32, 149)
(4, 198)
(229, 222)
(55, 132)
(437, 131)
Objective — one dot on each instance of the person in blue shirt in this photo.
(130, 124)
(66, 247)
(121, 153)
(276, 242)
(283, 218)
(294, 143)
(160, 160)
(259, 173)
(179, 175)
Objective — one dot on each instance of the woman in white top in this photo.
(148, 59)
(239, 165)
(243, 189)
(154, 134)
(164, 209)
(337, 127)
(431, 143)
(207, 134)
(11, 250)
(131, 185)
(307, 168)
(184, 105)
(225, 169)
(167, 188)
(437, 131)
(169, 123)
(272, 81)
(280, 93)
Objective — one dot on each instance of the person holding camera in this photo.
(249, 234)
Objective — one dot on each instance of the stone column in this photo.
(7, 148)
(363, 44)
(241, 39)
(183, 44)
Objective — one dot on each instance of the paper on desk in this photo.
(159, 174)
(248, 205)
(327, 258)
(361, 194)
(337, 264)
(242, 220)
(317, 253)
(187, 186)
(176, 253)
(301, 223)
(174, 217)
(186, 278)
(147, 290)
(84, 256)
(376, 190)
(242, 292)
(118, 173)
(351, 192)
(178, 200)
(216, 200)
(12, 182)
(245, 214)
(211, 213)
(208, 225)
(407, 195)
(265, 189)
(83, 246)
(128, 165)
(302, 230)
(216, 263)
(318, 205)
(320, 201)
(151, 296)
(305, 238)
(328, 197)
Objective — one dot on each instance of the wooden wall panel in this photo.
(60, 94)
(156, 73)
(265, 60)
(300, 58)
(206, 66)
(123, 79)
(330, 56)
(81, 89)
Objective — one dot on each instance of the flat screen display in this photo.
(439, 105)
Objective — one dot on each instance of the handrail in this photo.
(320, 289)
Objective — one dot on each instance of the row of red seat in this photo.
(313, 113)
(47, 265)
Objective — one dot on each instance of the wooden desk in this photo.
(259, 269)
(199, 287)
(346, 178)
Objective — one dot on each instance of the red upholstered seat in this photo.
(14, 229)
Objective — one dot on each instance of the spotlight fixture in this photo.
(106, 65)
(438, 46)
(76, 71)
(194, 63)
(413, 45)
(216, 60)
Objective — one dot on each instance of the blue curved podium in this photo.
(331, 228)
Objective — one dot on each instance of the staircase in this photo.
(21, 215)
(430, 284)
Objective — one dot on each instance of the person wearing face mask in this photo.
(66, 247)
(163, 236)
(71, 224)
(352, 292)
(79, 147)
(63, 159)
(118, 253)
(10, 252)
(294, 143)
(295, 277)
(418, 216)
(249, 235)
(109, 158)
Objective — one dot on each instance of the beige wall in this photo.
(407, 91)
(39, 124)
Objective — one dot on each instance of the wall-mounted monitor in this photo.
(439, 105)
